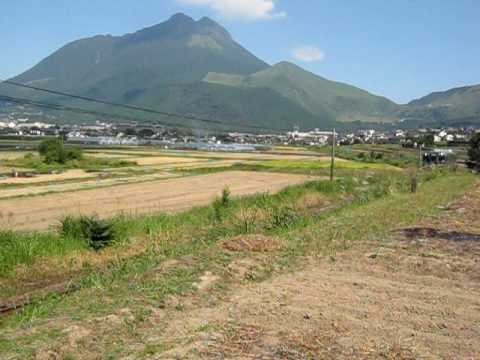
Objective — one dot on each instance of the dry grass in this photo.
(67, 175)
(253, 242)
(162, 160)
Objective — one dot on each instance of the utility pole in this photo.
(420, 155)
(332, 165)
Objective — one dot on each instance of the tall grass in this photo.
(24, 248)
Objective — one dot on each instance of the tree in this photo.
(54, 151)
(146, 133)
(428, 140)
(474, 151)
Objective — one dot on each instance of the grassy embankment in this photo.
(319, 218)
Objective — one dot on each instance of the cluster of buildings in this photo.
(25, 127)
(132, 133)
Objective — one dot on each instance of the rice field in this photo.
(174, 178)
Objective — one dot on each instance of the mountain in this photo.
(458, 106)
(319, 96)
(179, 50)
(162, 67)
(196, 68)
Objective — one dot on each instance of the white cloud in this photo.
(308, 53)
(244, 9)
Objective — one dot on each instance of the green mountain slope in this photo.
(317, 95)
(178, 50)
(235, 105)
(458, 106)
(162, 67)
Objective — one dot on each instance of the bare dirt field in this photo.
(41, 212)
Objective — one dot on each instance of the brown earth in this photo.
(417, 298)
(172, 195)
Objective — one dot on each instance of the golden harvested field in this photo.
(171, 195)
(81, 184)
(159, 160)
(67, 175)
(181, 154)
(105, 155)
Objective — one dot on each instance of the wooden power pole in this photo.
(332, 165)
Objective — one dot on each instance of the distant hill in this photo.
(197, 68)
(458, 106)
(319, 96)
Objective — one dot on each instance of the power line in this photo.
(115, 104)
(57, 107)
(111, 103)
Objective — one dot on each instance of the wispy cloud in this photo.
(241, 9)
(308, 53)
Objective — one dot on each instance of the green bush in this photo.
(225, 199)
(98, 233)
(54, 151)
(474, 151)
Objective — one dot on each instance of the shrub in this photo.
(96, 232)
(221, 204)
(74, 153)
(225, 199)
(375, 155)
(54, 151)
(474, 151)
(282, 217)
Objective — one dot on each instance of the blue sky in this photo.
(402, 49)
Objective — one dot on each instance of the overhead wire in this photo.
(59, 107)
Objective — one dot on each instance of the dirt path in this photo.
(353, 309)
(40, 212)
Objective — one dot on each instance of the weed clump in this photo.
(282, 217)
(98, 233)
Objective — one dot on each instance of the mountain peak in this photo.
(286, 64)
(210, 27)
(207, 21)
(181, 17)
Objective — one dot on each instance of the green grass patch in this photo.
(390, 154)
(37, 163)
